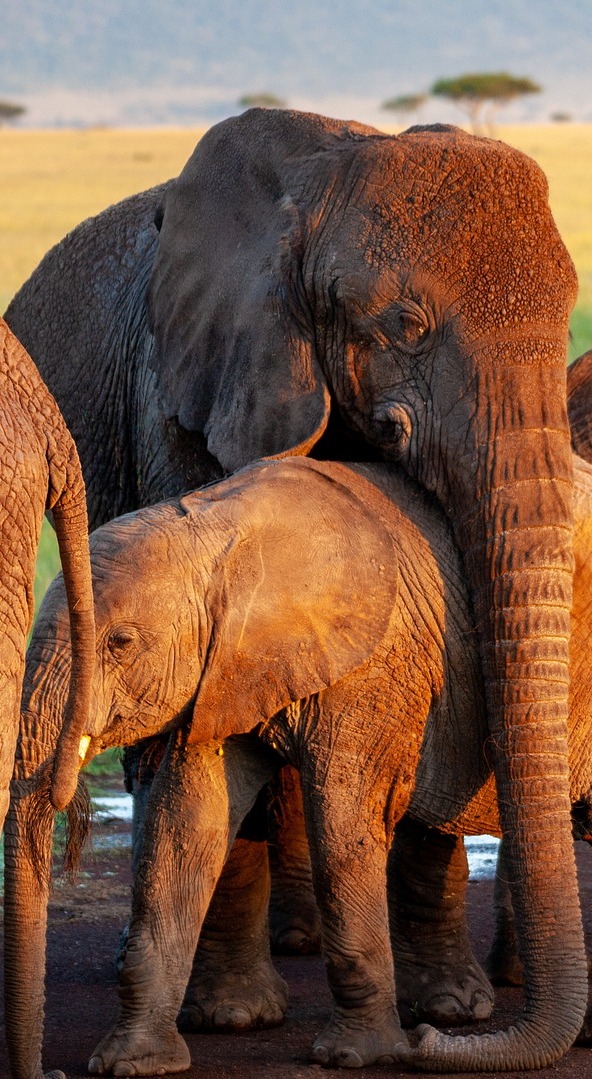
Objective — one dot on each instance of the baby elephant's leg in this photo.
(438, 977)
(233, 984)
(198, 799)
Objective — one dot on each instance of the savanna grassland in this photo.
(52, 180)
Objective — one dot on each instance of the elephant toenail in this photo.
(231, 1015)
(95, 1066)
(482, 1006)
(320, 1054)
(349, 1058)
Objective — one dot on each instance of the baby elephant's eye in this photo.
(120, 639)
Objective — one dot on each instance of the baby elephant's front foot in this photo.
(234, 1001)
(353, 1043)
(127, 1054)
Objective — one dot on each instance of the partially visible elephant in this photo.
(244, 619)
(39, 471)
(312, 278)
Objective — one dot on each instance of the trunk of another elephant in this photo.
(25, 912)
(28, 847)
(516, 539)
(71, 526)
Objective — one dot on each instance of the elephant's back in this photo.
(75, 293)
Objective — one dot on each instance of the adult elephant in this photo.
(39, 471)
(415, 286)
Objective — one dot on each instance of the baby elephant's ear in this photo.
(305, 596)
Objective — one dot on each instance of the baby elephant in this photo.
(299, 611)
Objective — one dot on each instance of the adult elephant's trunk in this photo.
(71, 525)
(516, 539)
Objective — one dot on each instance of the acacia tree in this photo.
(405, 104)
(261, 101)
(10, 111)
(473, 92)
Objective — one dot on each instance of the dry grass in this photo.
(52, 180)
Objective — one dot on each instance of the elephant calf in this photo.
(302, 611)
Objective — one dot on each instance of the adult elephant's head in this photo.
(418, 285)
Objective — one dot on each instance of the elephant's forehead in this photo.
(472, 216)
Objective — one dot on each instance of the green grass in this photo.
(581, 332)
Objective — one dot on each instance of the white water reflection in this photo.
(108, 807)
(482, 856)
(481, 849)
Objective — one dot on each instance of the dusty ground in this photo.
(85, 921)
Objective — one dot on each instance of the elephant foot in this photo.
(355, 1043)
(294, 922)
(234, 1000)
(448, 989)
(127, 1053)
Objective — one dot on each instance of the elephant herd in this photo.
(317, 386)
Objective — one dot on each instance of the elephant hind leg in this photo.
(234, 985)
(503, 964)
(294, 920)
(438, 977)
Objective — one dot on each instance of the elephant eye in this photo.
(120, 639)
(412, 326)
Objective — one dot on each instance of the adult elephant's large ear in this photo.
(234, 345)
(305, 595)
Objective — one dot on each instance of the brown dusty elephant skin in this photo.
(375, 664)
(416, 287)
(39, 471)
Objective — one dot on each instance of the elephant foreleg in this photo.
(198, 799)
(438, 977)
(234, 985)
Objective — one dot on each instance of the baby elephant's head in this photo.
(150, 633)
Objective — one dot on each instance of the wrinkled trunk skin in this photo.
(29, 823)
(516, 540)
(71, 525)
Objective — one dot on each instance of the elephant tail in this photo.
(76, 817)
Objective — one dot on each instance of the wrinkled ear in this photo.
(234, 351)
(304, 597)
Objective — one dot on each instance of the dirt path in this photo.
(85, 921)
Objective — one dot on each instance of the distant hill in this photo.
(188, 61)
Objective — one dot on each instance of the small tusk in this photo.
(83, 747)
